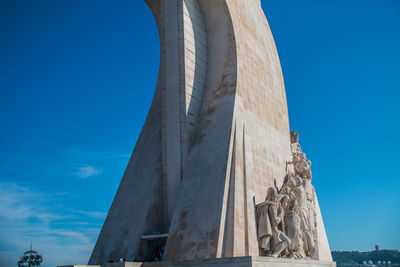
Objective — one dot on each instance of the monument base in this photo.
(249, 261)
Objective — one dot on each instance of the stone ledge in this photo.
(125, 264)
(249, 261)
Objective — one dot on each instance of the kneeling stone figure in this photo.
(271, 220)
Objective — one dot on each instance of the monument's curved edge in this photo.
(138, 194)
(195, 227)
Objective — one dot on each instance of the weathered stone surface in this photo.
(216, 136)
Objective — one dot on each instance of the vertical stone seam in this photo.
(182, 89)
(245, 200)
(225, 201)
(229, 225)
(164, 196)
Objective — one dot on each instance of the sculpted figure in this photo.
(302, 166)
(301, 198)
(294, 142)
(310, 192)
(293, 230)
(270, 213)
(294, 137)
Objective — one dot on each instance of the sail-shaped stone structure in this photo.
(215, 138)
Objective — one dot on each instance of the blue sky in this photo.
(77, 79)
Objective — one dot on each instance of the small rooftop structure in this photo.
(30, 258)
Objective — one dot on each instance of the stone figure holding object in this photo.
(270, 213)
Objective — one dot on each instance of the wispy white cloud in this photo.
(87, 171)
(93, 214)
(93, 155)
(63, 162)
(61, 235)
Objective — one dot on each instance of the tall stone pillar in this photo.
(216, 137)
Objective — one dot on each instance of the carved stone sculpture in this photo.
(271, 214)
(290, 229)
(294, 232)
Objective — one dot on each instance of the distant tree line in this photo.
(355, 258)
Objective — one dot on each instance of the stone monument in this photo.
(216, 178)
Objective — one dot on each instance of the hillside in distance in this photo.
(355, 258)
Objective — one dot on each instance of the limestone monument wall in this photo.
(216, 137)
